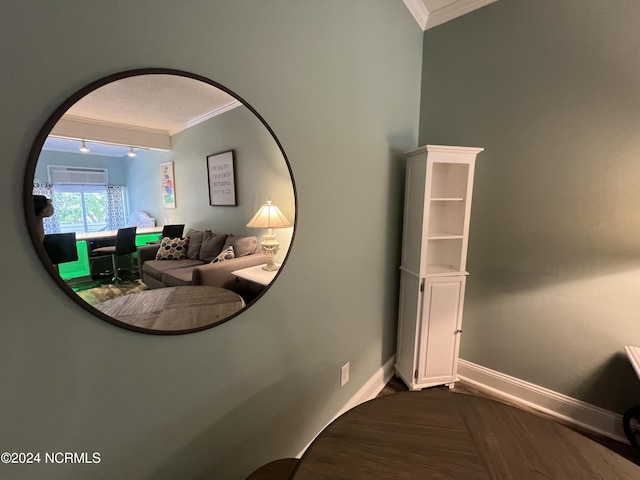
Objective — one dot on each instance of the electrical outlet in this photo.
(344, 374)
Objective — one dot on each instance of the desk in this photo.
(81, 267)
(104, 234)
(438, 434)
(174, 308)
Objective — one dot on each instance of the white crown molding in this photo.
(456, 8)
(70, 126)
(561, 406)
(206, 116)
(419, 12)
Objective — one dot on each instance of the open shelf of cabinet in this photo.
(435, 270)
(438, 192)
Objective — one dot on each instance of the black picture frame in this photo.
(222, 179)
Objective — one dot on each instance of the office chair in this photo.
(125, 244)
(61, 248)
(170, 231)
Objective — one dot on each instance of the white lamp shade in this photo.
(269, 216)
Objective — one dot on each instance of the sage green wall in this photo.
(339, 82)
(551, 90)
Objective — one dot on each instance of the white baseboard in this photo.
(367, 392)
(372, 388)
(576, 412)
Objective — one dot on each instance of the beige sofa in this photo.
(196, 267)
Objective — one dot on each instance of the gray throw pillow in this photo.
(211, 246)
(195, 242)
(242, 245)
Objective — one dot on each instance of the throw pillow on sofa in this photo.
(242, 245)
(172, 249)
(195, 242)
(226, 254)
(212, 245)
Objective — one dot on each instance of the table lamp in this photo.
(269, 216)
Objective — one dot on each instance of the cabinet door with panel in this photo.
(442, 301)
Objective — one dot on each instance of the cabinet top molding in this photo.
(444, 148)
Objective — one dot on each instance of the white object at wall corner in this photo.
(429, 17)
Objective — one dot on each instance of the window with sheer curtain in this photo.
(84, 208)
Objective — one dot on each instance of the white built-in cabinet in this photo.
(437, 207)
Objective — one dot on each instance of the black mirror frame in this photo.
(29, 176)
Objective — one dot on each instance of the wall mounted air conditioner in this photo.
(77, 175)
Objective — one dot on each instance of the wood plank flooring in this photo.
(451, 455)
(462, 387)
(443, 435)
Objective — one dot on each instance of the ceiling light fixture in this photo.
(84, 148)
(131, 152)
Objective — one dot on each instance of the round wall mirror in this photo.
(160, 201)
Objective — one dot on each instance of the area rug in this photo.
(106, 292)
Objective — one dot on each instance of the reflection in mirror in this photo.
(140, 193)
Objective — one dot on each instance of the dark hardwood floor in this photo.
(508, 431)
(462, 387)
(443, 435)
